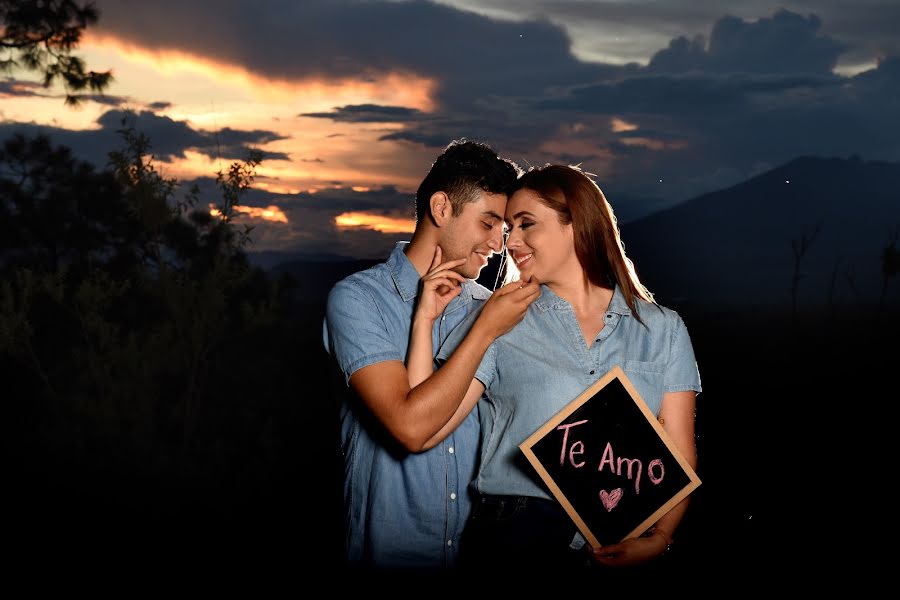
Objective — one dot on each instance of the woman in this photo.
(592, 313)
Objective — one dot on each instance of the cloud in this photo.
(368, 113)
(312, 220)
(168, 138)
(339, 39)
(785, 43)
(18, 87)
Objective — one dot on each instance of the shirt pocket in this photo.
(647, 378)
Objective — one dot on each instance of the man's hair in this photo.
(462, 169)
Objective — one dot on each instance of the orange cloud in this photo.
(320, 93)
(361, 220)
(269, 213)
(619, 125)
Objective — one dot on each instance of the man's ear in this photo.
(441, 208)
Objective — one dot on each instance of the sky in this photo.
(351, 101)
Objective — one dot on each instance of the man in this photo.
(405, 483)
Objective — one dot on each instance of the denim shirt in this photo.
(543, 363)
(402, 510)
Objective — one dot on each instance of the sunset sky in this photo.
(352, 100)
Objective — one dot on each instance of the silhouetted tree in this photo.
(800, 247)
(129, 307)
(890, 262)
(40, 36)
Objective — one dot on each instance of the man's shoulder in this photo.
(365, 281)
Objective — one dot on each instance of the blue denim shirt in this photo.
(402, 510)
(543, 363)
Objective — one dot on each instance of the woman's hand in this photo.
(633, 551)
(439, 286)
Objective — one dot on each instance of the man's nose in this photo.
(495, 243)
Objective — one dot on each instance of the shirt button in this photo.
(453, 495)
(592, 371)
(451, 450)
(449, 542)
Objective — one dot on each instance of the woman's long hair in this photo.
(578, 200)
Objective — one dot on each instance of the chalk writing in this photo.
(634, 467)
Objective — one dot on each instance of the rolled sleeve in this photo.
(354, 331)
(682, 373)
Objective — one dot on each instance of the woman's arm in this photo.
(415, 415)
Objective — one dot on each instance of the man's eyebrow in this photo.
(492, 215)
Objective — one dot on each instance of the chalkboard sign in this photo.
(609, 463)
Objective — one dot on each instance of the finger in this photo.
(450, 264)
(525, 291)
(451, 293)
(509, 287)
(442, 274)
(437, 282)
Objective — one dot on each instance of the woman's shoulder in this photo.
(653, 314)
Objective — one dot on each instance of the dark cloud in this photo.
(106, 99)
(155, 106)
(17, 87)
(784, 43)
(168, 138)
(462, 51)
(369, 113)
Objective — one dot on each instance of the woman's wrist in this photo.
(661, 534)
(666, 538)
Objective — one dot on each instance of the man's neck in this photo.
(420, 252)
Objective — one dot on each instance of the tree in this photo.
(800, 247)
(124, 309)
(40, 36)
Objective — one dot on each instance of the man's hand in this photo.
(439, 286)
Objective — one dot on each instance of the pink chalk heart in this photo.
(610, 500)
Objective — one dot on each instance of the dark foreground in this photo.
(789, 431)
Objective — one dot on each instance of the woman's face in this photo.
(538, 243)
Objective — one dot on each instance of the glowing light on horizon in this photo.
(269, 213)
(381, 223)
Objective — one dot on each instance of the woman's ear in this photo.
(441, 208)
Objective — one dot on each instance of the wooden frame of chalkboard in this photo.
(598, 452)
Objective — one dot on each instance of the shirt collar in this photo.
(404, 274)
(548, 299)
(406, 278)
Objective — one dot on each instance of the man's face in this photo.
(476, 234)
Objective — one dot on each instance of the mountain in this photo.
(734, 246)
(315, 276)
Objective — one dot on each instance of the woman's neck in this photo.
(584, 296)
